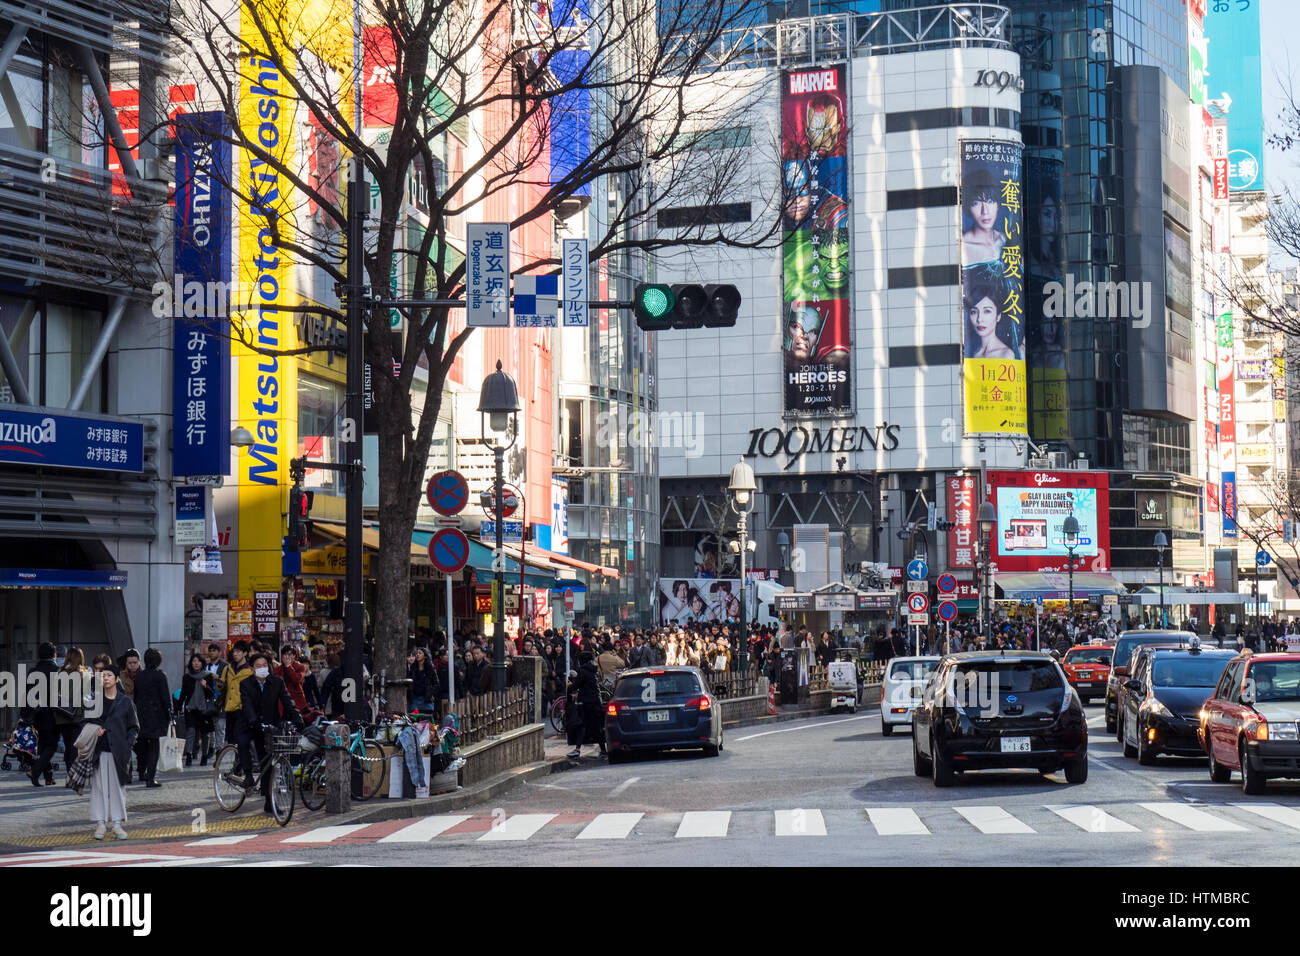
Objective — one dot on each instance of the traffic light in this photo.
(300, 502)
(685, 306)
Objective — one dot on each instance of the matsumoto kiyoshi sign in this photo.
(66, 441)
(798, 440)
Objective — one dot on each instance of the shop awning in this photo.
(1055, 586)
(569, 562)
(370, 540)
(480, 559)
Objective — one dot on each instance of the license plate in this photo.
(1015, 745)
(1085, 675)
(662, 717)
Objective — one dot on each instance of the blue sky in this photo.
(1280, 20)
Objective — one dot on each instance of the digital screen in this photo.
(1030, 520)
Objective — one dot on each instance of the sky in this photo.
(1280, 22)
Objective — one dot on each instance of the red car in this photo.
(1087, 668)
(1252, 721)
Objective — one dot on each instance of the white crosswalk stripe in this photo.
(1288, 816)
(610, 826)
(421, 831)
(326, 834)
(800, 823)
(897, 821)
(186, 861)
(704, 823)
(225, 840)
(1093, 819)
(260, 863)
(519, 827)
(1193, 818)
(993, 820)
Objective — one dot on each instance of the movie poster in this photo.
(1046, 325)
(698, 600)
(992, 285)
(817, 321)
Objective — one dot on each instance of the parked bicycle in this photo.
(366, 760)
(559, 708)
(231, 789)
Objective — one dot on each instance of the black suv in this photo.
(997, 710)
(1160, 703)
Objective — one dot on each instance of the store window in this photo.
(320, 412)
(52, 344)
(20, 324)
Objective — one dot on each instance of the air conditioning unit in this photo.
(1081, 463)
(1037, 462)
(1058, 460)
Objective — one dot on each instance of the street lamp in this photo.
(742, 488)
(499, 402)
(783, 549)
(241, 437)
(1071, 529)
(1161, 542)
(987, 518)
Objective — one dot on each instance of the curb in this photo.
(456, 800)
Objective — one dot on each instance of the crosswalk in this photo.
(1020, 822)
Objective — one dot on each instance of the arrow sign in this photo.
(1262, 559)
(948, 611)
(448, 492)
(947, 584)
(449, 550)
(917, 569)
(918, 603)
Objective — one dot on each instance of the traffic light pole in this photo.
(353, 630)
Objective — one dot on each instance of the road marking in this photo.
(824, 723)
(993, 820)
(800, 823)
(1093, 819)
(89, 859)
(1192, 818)
(225, 841)
(421, 831)
(1288, 816)
(704, 823)
(610, 826)
(623, 786)
(519, 827)
(186, 861)
(326, 834)
(897, 821)
(273, 863)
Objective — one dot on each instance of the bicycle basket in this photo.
(284, 743)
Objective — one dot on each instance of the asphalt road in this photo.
(825, 791)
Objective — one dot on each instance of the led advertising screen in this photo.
(992, 286)
(1031, 510)
(817, 317)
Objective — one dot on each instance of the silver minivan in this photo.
(900, 690)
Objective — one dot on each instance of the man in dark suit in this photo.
(43, 719)
(265, 700)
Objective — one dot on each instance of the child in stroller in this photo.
(22, 745)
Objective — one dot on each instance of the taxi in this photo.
(1251, 724)
(1087, 668)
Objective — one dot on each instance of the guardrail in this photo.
(491, 714)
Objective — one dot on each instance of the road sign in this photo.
(948, 610)
(509, 494)
(918, 603)
(931, 517)
(947, 584)
(917, 569)
(452, 521)
(1262, 559)
(448, 492)
(918, 619)
(512, 532)
(575, 281)
(568, 600)
(449, 550)
(918, 586)
(498, 562)
(487, 273)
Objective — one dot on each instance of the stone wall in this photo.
(515, 748)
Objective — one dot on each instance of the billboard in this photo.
(699, 600)
(1031, 511)
(1234, 37)
(992, 283)
(816, 315)
(961, 512)
(1046, 325)
(1227, 426)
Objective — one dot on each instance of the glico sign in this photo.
(1031, 510)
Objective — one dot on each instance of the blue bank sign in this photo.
(70, 441)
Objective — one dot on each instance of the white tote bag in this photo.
(171, 751)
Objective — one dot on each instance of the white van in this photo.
(901, 688)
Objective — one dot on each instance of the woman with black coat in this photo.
(200, 708)
(586, 719)
(115, 716)
(153, 705)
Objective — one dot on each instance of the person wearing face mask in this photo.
(265, 700)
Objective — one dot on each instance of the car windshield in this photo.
(1016, 677)
(1276, 680)
(1187, 671)
(1089, 655)
(1125, 646)
(651, 687)
(912, 670)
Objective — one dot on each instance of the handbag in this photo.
(171, 750)
(200, 703)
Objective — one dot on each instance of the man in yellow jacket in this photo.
(228, 687)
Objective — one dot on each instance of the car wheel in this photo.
(1076, 771)
(711, 750)
(1146, 753)
(1253, 781)
(941, 767)
(1129, 750)
(1217, 773)
(920, 765)
(617, 756)
(1110, 724)
(886, 729)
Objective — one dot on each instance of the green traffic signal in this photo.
(685, 306)
(654, 306)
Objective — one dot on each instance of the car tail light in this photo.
(1065, 701)
(617, 708)
(703, 702)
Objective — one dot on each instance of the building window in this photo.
(52, 344)
(921, 198)
(912, 277)
(948, 118)
(320, 409)
(684, 217)
(925, 356)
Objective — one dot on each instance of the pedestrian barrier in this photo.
(491, 714)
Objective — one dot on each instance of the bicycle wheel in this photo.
(311, 783)
(282, 790)
(374, 769)
(225, 783)
(557, 715)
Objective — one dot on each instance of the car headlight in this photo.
(1286, 731)
(1154, 706)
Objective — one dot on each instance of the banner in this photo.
(992, 281)
(700, 600)
(818, 321)
(1046, 332)
(1233, 31)
(1227, 426)
(961, 512)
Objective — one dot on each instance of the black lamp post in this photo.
(987, 518)
(742, 488)
(499, 401)
(1161, 542)
(1070, 527)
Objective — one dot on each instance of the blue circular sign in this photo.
(1262, 558)
(449, 550)
(448, 493)
(948, 611)
(917, 569)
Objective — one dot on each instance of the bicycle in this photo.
(559, 709)
(231, 790)
(365, 753)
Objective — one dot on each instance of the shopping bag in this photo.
(171, 752)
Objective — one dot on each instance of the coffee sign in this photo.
(1153, 508)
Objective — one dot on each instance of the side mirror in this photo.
(1134, 685)
(1248, 696)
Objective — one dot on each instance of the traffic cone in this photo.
(771, 699)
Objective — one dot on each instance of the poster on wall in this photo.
(1031, 510)
(1227, 425)
(1047, 311)
(817, 319)
(992, 285)
(1233, 31)
(700, 600)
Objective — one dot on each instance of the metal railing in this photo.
(835, 37)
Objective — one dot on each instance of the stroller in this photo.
(22, 745)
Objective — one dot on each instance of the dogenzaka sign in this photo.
(798, 440)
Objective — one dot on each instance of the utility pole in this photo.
(353, 628)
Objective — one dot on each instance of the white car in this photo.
(905, 679)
